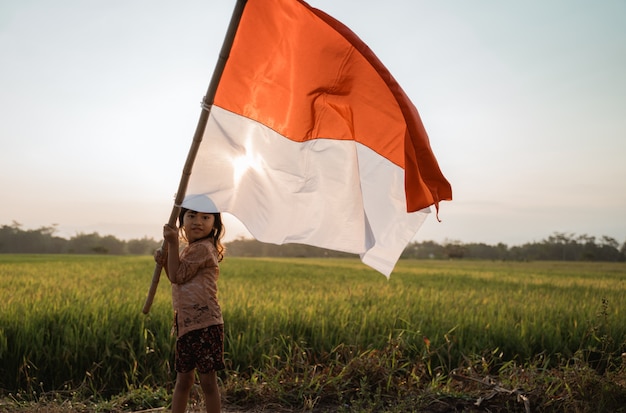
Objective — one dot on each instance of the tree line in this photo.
(557, 247)
(14, 239)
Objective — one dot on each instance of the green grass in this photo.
(521, 308)
(70, 322)
(69, 319)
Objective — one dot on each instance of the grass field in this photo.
(70, 322)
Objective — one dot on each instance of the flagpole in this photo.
(197, 137)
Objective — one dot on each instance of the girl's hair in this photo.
(217, 234)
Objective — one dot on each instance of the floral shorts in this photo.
(201, 349)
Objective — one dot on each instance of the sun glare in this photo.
(249, 160)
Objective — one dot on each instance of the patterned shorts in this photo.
(201, 349)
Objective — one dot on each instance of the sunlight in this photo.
(249, 160)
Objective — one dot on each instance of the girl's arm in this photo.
(170, 234)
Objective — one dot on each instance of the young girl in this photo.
(198, 317)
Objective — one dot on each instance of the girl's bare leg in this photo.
(211, 391)
(184, 383)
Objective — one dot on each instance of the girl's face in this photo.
(197, 225)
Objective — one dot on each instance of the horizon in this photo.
(249, 237)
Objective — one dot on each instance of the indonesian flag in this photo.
(310, 139)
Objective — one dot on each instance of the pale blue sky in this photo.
(524, 102)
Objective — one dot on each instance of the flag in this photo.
(311, 140)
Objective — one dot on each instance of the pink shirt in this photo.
(194, 288)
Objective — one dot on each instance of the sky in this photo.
(524, 104)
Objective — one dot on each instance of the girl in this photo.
(198, 318)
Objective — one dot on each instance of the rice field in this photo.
(70, 320)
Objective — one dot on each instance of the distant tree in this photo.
(609, 249)
(587, 247)
(13, 239)
(484, 251)
(143, 246)
(454, 249)
(86, 244)
(423, 250)
(245, 247)
(609, 242)
(560, 243)
(112, 245)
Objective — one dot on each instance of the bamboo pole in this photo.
(197, 137)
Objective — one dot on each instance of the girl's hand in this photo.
(160, 256)
(170, 234)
